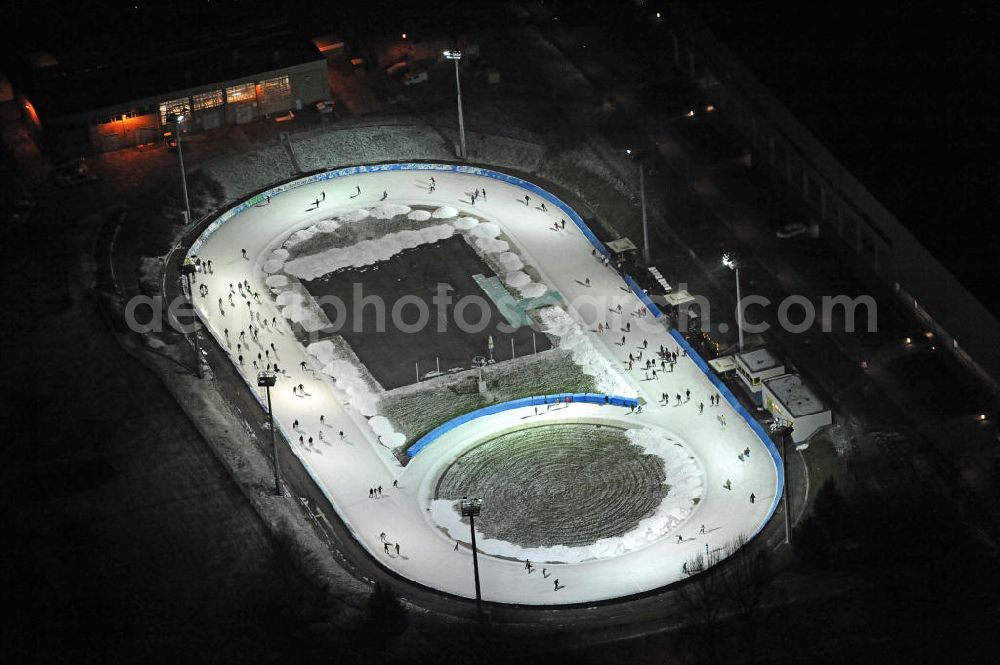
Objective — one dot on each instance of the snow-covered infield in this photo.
(346, 466)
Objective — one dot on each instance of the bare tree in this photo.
(702, 596)
(747, 574)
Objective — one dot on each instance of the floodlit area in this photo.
(603, 515)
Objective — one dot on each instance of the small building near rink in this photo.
(787, 397)
(755, 367)
(252, 73)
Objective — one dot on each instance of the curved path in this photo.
(346, 468)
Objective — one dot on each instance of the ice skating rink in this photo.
(346, 468)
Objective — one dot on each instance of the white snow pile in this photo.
(419, 215)
(492, 245)
(389, 210)
(301, 236)
(280, 254)
(327, 226)
(365, 252)
(352, 216)
(510, 261)
(273, 265)
(683, 475)
(384, 431)
(533, 290)
(346, 377)
(445, 212)
(276, 281)
(517, 278)
(465, 223)
(607, 377)
(485, 230)
(298, 308)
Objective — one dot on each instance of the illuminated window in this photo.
(207, 100)
(172, 107)
(241, 93)
(275, 88)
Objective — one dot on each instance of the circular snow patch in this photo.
(327, 226)
(276, 281)
(389, 210)
(465, 223)
(510, 261)
(486, 230)
(280, 254)
(445, 212)
(352, 216)
(517, 278)
(492, 245)
(273, 265)
(533, 290)
(419, 215)
(393, 439)
(380, 425)
(290, 298)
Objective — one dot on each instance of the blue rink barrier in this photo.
(538, 400)
(723, 390)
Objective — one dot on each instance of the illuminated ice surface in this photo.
(518, 236)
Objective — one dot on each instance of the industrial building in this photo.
(102, 103)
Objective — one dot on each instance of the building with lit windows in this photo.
(253, 73)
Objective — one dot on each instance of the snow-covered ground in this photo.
(349, 454)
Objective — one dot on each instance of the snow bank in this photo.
(389, 210)
(365, 252)
(352, 216)
(327, 226)
(492, 245)
(346, 376)
(301, 236)
(533, 290)
(683, 476)
(276, 281)
(485, 230)
(517, 278)
(273, 265)
(445, 212)
(510, 261)
(419, 215)
(572, 338)
(465, 223)
(280, 254)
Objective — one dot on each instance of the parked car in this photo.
(791, 230)
(415, 77)
(324, 107)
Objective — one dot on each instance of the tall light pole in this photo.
(187, 270)
(471, 509)
(266, 380)
(733, 264)
(642, 202)
(178, 119)
(455, 55)
(783, 429)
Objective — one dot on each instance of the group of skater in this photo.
(528, 566)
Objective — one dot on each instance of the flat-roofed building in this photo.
(788, 397)
(755, 367)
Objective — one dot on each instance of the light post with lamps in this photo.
(266, 380)
(178, 119)
(733, 264)
(783, 429)
(471, 509)
(642, 202)
(187, 270)
(455, 55)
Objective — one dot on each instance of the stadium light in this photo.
(178, 119)
(455, 55)
(730, 262)
(640, 157)
(471, 509)
(266, 380)
(783, 428)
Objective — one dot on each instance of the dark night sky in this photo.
(903, 94)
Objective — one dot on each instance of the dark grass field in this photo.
(392, 354)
